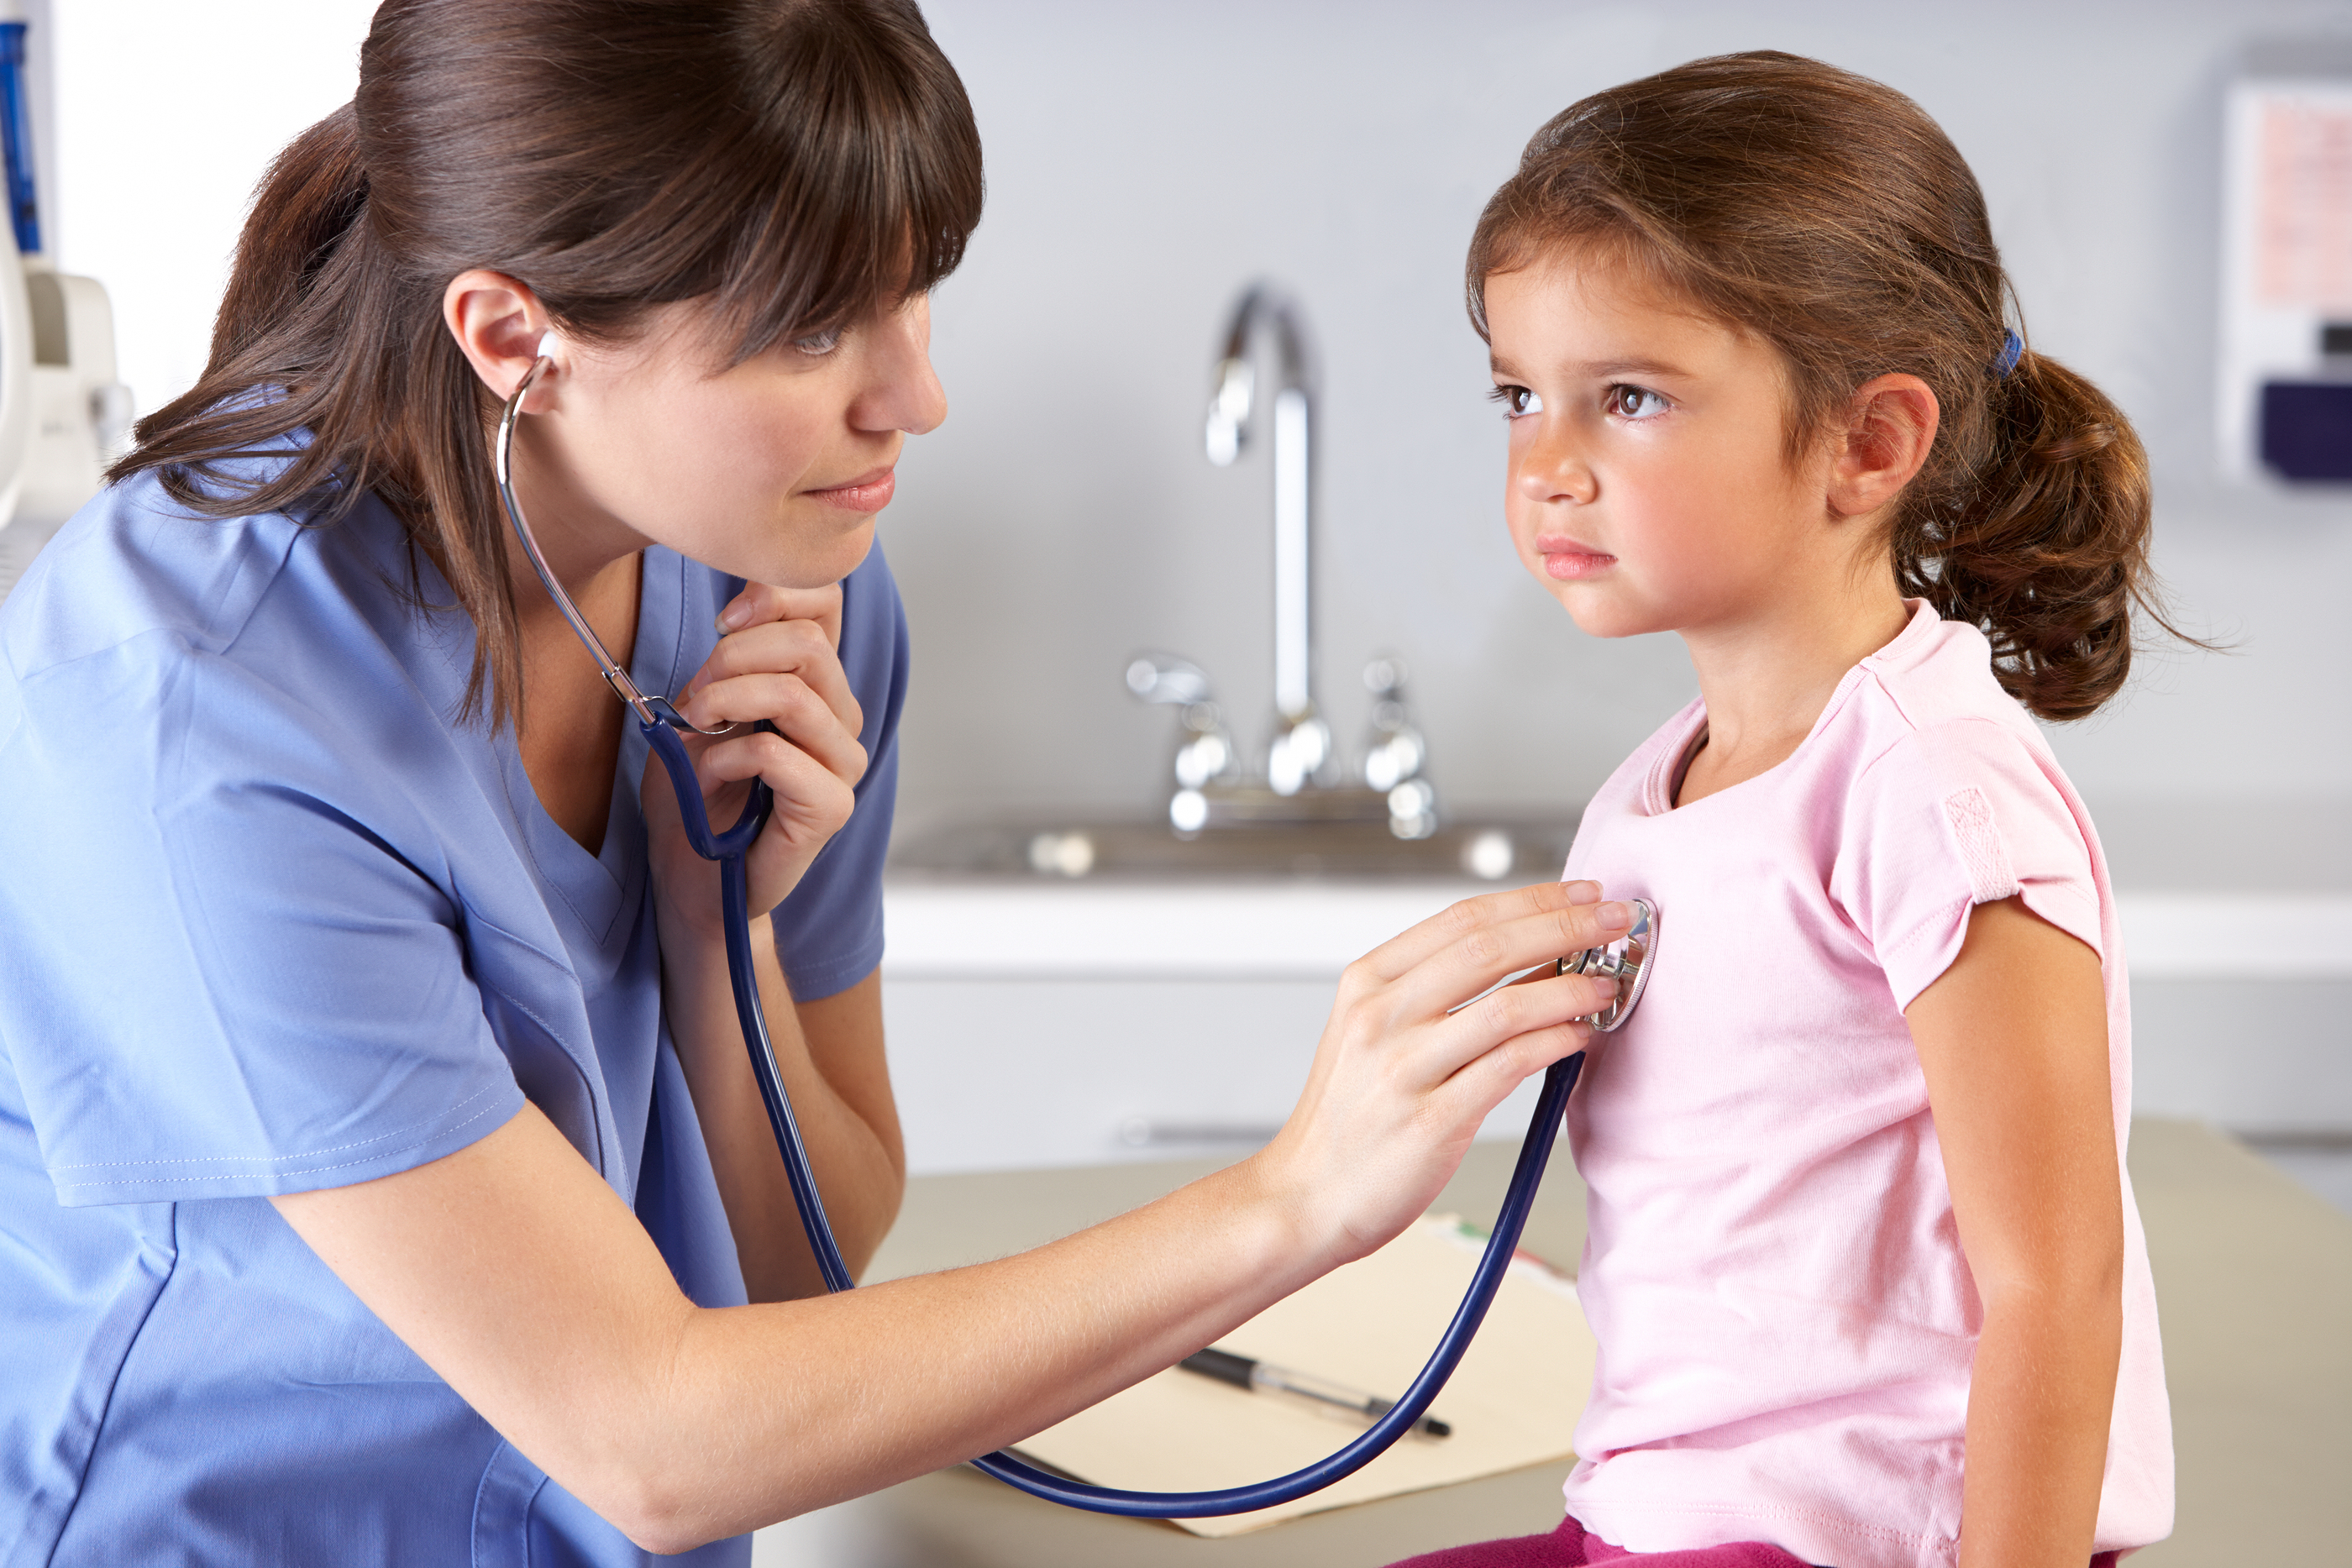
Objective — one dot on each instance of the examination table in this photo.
(2253, 1278)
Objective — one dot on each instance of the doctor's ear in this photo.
(503, 330)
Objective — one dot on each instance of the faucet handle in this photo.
(1165, 678)
(1396, 755)
(1206, 754)
(1396, 751)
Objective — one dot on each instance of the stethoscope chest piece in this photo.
(1627, 961)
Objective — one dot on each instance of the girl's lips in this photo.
(866, 493)
(1567, 560)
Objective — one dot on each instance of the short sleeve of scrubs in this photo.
(252, 870)
(226, 972)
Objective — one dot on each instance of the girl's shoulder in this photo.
(1938, 674)
(1928, 727)
(1954, 798)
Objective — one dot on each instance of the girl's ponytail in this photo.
(2049, 552)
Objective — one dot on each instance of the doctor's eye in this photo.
(1633, 402)
(816, 345)
(1518, 402)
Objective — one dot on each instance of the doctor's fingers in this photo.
(802, 722)
(1495, 1021)
(811, 797)
(783, 647)
(1465, 920)
(1479, 952)
(797, 702)
(1528, 1025)
(1487, 1080)
(761, 602)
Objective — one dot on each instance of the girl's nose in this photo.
(1551, 469)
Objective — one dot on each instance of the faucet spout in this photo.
(1302, 742)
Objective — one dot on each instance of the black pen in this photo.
(1256, 1375)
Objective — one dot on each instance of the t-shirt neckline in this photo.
(1666, 770)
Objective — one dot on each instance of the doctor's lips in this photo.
(869, 492)
(1568, 559)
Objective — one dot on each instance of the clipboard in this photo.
(1513, 1401)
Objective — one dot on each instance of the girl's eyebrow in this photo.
(1597, 369)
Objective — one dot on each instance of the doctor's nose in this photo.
(903, 392)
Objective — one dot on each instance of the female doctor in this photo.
(381, 1179)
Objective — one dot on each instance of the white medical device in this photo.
(2286, 362)
(63, 415)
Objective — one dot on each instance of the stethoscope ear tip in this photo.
(546, 350)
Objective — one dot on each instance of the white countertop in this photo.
(1310, 930)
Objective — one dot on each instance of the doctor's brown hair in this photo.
(793, 161)
(1831, 217)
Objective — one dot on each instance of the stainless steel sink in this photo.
(1496, 847)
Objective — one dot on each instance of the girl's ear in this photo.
(502, 329)
(1890, 427)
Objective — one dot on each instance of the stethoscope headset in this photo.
(1627, 962)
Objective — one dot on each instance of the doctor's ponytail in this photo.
(791, 163)
(1828, 216)
(307, 202)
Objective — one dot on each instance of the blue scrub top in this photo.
(272, 921)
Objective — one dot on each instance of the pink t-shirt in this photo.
(1785, 1319)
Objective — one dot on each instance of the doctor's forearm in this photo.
(522, 1279)
(979, 1358)
(852, 1138)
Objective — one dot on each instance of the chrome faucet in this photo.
(1302, 741)
(1302, 783)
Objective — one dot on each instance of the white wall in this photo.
(1145, 160)
(167, 113)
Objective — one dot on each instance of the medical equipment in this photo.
(2286, 361)
(62, 414)
(1626, 963)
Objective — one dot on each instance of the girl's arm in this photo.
(525, 1281)
(2014, 1039)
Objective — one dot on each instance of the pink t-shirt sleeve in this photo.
(1958, 814)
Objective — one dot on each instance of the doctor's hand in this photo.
(1400, 1085)
(780, 661)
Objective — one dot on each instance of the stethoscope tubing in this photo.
(659, 722)
(1535, 1154)
(735, 911)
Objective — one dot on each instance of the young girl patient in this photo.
(1864, 1267)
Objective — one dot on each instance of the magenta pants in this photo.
(1571, 1547)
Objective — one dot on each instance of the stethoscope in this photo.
(1626, 962)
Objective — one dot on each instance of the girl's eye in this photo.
(1518, 402)
(819, 344)
(1633, 402)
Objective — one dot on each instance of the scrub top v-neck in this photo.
(275, 921)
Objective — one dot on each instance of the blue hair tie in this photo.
(2012, 349)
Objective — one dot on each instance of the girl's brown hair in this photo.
(793, 161)
(1828, 215)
